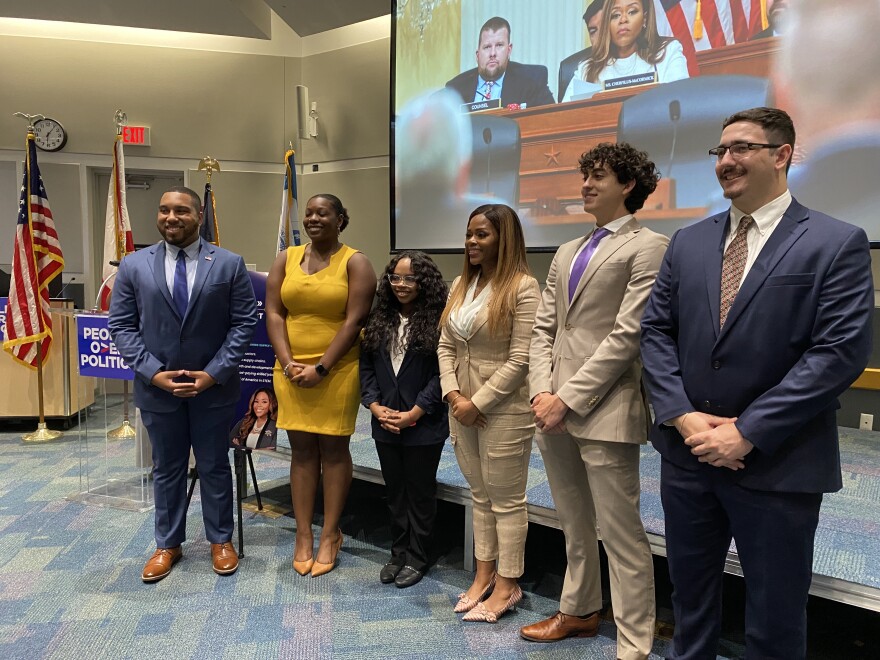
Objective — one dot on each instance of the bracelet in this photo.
(286, 367)
(460, 396)
(683, 420)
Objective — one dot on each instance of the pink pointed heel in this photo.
(480, 613)
(465, 604)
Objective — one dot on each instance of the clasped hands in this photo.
(713, 440)
(392, 420)
(201, 380)
(304, 375)
(465, 412)
(549, 412)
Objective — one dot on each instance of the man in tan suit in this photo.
(585, 384)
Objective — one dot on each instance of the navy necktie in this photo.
(580, 264)
(179, 294)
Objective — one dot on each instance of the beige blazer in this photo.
(492, 371)
(588, 352)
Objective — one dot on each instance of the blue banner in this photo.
(98, 356)
(256, 367)
(3, 319)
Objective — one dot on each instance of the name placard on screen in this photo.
(631, 81)
(481, 105)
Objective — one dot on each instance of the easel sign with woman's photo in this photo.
(258, 407)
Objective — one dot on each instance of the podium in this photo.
(66, 394)
(113, 471)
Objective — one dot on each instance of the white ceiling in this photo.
(242, 18)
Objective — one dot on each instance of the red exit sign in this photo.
(136, 135)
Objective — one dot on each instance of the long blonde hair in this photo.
(650, 46)
(512, 267)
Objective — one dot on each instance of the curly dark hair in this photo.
(336, 203)
(423, 331)
(628, 164)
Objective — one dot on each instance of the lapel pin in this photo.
(208, 257)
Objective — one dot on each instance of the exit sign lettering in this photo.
(139, 135)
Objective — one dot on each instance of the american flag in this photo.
(36, 261)
(288, 227)
(704, 24)
(210, 229)
(118, 240)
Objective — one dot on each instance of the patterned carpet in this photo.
(70, 573)
(70, 583)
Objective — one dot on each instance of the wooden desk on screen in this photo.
(554, 137)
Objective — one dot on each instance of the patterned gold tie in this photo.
(735, 258)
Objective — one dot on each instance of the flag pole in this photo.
(126, 430)
(42, 434)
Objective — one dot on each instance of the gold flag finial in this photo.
(210, 165)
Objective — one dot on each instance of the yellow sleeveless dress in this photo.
(315, 311)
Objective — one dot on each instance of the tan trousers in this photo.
(495, 462)
(599, 481)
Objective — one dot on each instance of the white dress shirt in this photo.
(766, 219)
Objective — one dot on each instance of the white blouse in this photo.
(673, 66)
(398, 346)
(462, 319)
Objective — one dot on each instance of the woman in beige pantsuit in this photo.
(484, 361)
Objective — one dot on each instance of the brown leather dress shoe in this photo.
(561, 626)
(159, 565)
(225, 558)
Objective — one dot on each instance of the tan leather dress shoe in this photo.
(561, 626)
(159, 565)
(225, 558)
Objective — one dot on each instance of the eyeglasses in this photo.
(402, 280)
(739, 150)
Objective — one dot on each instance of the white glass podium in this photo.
(114, 457)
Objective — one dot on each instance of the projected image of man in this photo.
(497, 77)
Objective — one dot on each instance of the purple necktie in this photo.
(580, 264)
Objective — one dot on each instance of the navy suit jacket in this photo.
(519, 86)
(798, 334)
(416, 383)
(212, 337)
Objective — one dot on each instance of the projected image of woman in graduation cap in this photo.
(629, 50)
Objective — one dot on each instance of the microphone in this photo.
(487, 139)
(674, 116)
(106, 281)
(64, 288)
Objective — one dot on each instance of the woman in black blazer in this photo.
(400, 384)
(256, 430)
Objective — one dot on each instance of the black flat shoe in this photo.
(389, 572)
(407, 577)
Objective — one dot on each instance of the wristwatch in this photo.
(322, 370)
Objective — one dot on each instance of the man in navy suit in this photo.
(759, 319)
(182, 315)
(497, 77)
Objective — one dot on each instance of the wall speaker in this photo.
(302, 111)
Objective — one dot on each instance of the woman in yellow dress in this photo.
(318, 297)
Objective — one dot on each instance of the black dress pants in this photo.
(410, 474)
